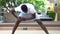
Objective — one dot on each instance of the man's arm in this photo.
(13, 13)
(33, 16)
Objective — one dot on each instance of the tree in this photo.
(4, 2)
(38, 4)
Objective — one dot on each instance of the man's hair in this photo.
(24, 8)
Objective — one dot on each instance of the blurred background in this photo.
(48, 8)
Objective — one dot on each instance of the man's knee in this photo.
(19, 19)
(37, 20)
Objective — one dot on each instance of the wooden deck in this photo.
(29, 32)
(51, 25)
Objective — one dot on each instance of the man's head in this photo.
(24, 8)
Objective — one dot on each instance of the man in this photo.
(28, 12)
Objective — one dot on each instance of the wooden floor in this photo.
(50, 25)
(27, 24)
(29, 32)
(29, 28)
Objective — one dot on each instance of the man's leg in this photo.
(42, 26)
(16, 25)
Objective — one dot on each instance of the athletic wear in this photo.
(31, 10)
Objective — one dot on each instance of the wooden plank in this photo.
(46, 23)
(29, 28)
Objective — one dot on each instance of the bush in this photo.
(51, 14)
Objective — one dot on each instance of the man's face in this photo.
(24, 8)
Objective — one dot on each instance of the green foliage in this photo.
(3, 2)
(51, 14)
(39, 4)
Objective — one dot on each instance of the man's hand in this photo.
(20, 18)
(32, 17)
